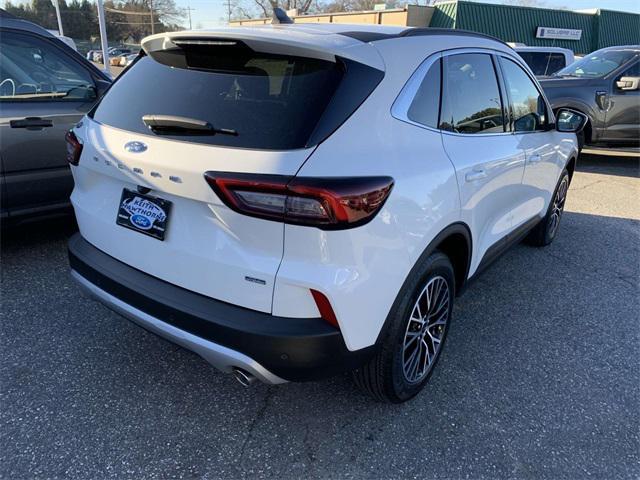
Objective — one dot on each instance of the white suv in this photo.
(295, 201)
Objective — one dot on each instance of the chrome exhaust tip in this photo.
(245, 378)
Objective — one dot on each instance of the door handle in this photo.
(31, 122)
(475, 175)
(535, 158)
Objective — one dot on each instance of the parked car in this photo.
(293, 213)
(545, 60)
(127, 60)
(92, 55)
(604, 85)
(116, 59)
(45, 89)
(112, 51)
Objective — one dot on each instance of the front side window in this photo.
(527, 104)
(471, 101)
(597, 64)
(33, 69)
(632, 71)
(425, 106)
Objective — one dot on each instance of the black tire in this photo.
(385, 377)
(547, 229)
(581, 137)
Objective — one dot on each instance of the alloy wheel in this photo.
(558, 206)
(425, 330)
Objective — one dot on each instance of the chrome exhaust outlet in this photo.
(245, 378)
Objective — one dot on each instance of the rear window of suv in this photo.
(544, 63)
(261, 101)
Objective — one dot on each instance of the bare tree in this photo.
(264, 8)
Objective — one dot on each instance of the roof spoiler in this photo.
(276, 39)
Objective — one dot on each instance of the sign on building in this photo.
(558, 33)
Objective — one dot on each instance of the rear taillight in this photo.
(74, 148)
(329, 203)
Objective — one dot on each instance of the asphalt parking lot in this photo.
(540, 377)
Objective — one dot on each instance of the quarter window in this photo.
(425, 106)
(32, 69)
(471, 100)
(528, 106)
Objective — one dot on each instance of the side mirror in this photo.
(570, 121)
(628, 83)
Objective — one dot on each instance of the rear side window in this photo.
(471, 100)
(544, 63)
(268, 101)
(425, 106)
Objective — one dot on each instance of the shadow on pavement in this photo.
(539, 376)
(14, 237)
(609, 165)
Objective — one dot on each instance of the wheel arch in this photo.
(455, 241)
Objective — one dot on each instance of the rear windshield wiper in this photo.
(172, 124)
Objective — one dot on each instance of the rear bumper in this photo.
(274, 349)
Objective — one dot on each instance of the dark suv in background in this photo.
(45, 89)
(605, 85)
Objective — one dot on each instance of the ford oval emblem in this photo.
(135, 147)
(141, 221)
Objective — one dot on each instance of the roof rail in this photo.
(418, 32)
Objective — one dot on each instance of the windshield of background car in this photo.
(598, 64)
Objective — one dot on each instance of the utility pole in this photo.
(57, 7)
(103, 37)
(153, 27)
(189, 10)
(228, 4)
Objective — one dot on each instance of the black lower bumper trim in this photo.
(295, 349)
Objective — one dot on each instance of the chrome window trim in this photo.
(402, 103)
(400, 107)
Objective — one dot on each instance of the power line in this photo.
(134, 23)
(126, 13)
